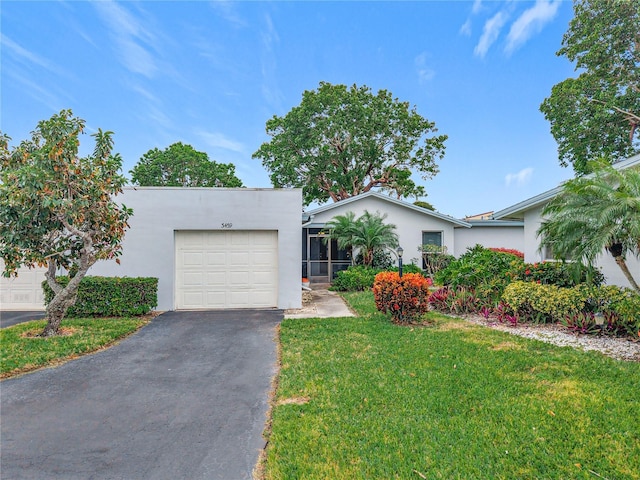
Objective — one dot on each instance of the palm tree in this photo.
(371, 234)
(342, 229)
(367, 233)
(596, 213)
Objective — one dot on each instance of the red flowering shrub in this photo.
(512, 251)
(404, 298)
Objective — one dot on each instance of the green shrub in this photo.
(482, 270)
(545, 303)
(620, 307)
(110, 296)
(560, 274)
(407, 268)
(406, 298)
(355, 278)
(381, 259)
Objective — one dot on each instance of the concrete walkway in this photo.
(185, 397)
(323, 304)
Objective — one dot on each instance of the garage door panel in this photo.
(192, 259)
(217, 259)
(190, 279)
(216, 279)
(238, 259)
(238, 280)
(236, 269)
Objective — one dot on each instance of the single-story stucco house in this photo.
(216, 248)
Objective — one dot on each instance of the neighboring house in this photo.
(415, 226)
(212, 248)
(529, 212)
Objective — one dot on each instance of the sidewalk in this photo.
(323, 304)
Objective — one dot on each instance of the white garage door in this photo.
(23, 292)
(226, 269)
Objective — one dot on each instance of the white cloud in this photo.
(219, 140)
(530, 22)
(227, 11)
(477, 6)
(465, 29)
(490, 33)
(424, 72)
(130, 36)
(519, 179)
(27, 57)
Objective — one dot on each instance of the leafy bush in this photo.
(620, 307)
(512, 251)
(482, 270)
(545, 303)
(404, 298)
(560, 274)
(381, 259)
(110, 296)
(407, 268)
(354, 279)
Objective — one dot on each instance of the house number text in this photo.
(226, 224)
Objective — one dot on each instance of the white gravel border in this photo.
(618, 348)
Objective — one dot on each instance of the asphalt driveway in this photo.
(8, 319)
(184, 398)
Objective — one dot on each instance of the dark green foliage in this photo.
(343, 141)
(355, 279)
(381, 259)
(560, 274)
(110, 296)
(598, 112)
(483, 270)
(181, 165)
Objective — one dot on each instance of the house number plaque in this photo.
(226, 225)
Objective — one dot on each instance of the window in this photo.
(431, 238)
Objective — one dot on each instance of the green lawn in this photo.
(22, 352)
(361, 398)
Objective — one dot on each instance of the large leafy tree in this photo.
(594, 214)
(181, 165)
(598, 113)
(368, 233)
(340, 142)
(57, 209)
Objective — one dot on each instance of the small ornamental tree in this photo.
(405, 298)
(56, 208)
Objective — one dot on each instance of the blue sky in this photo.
(211, 74)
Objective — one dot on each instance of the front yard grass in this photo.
(363, 398)
(22, 350)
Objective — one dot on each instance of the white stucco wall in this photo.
(490, 237)
(148, 247)
(409, 223)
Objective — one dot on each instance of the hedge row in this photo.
(110, 296)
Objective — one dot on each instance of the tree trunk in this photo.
(63, 299)
(623, 266)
